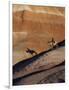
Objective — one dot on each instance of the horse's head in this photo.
(27, 50)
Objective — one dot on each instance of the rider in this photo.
(52, 43)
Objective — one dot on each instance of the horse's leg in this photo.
(56, 45)
(32, 53)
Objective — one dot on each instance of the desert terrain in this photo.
(33, 28)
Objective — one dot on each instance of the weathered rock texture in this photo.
(33, 28)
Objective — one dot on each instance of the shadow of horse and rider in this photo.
(52, 44)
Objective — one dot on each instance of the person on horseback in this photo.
(52, 43)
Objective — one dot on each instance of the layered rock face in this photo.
(33, 27)
(38, 44)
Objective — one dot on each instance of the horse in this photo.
(31, 51)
